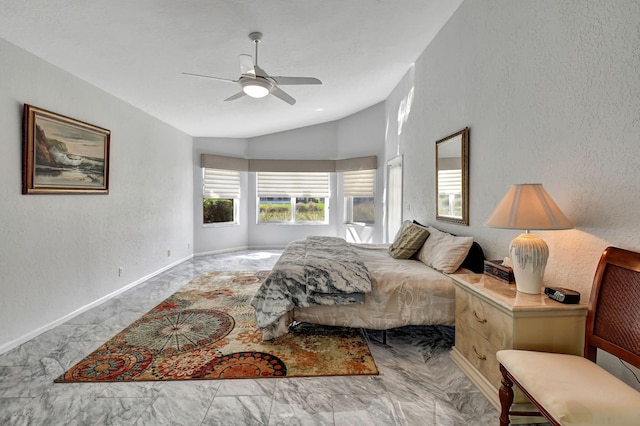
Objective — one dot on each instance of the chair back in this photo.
(613, 317)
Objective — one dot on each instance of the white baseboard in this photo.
(276, 247)
(227, 250)
(17, 342)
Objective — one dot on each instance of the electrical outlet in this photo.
(120, 271)
(169, 253)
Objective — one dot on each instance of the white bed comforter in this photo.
(404, 292)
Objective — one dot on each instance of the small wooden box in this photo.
(499, 271)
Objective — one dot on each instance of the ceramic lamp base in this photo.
(529, 254)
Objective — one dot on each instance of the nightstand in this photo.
(491, 315)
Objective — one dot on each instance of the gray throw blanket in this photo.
(317, 271)
(332, 266)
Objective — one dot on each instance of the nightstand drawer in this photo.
(491, 324)
(480, 353)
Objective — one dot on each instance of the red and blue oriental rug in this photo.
(207, 330)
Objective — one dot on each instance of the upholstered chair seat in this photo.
(573, 389)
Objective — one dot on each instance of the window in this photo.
(290, 197)
(359, 192)
(220, 196)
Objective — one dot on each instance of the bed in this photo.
(403, 291)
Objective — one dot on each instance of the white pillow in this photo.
(444, 252)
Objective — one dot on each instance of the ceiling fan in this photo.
(255, 81)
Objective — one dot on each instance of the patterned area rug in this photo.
(207, 330)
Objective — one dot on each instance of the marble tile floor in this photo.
(415, 386)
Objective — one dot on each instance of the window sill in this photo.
(294, 223)
(219, 224)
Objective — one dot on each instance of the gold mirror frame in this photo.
(452, 178)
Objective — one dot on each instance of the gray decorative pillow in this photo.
(408, 240)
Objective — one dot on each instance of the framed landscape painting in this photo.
(63, 156)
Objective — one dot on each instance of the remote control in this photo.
(562, 295)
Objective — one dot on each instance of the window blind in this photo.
(221, 184)
(450, 181)
(359, 183)
(292, 184)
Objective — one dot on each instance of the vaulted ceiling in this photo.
(138, 50)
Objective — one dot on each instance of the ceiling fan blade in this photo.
(296, 80)
(236, 96)
(279, 93)
(260, 72)
(228, 80)
(246, 65)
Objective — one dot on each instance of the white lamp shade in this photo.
(528, 206)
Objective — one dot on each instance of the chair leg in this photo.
(506, 397)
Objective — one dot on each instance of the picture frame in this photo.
(62, 155)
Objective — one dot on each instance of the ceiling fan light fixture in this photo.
(257, 88)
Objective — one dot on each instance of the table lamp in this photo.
(528, 207)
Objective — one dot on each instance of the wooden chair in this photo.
(572, 390)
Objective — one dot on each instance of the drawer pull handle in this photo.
(480, 320)
(480, 357)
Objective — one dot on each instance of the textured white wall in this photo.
(61, 253)
(551, 93)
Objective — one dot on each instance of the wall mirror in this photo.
(452, 178)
